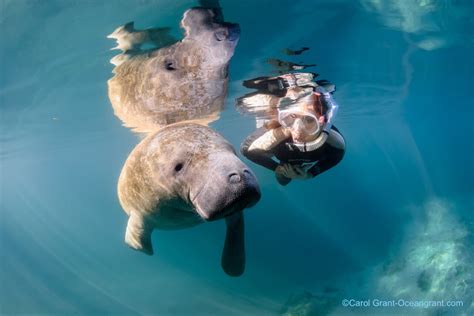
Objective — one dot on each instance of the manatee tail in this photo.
(233, 254)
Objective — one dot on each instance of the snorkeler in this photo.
(302, 138)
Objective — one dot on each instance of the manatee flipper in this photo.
(127, 37)
(122, 30)
(120, 59)
(130, 39)
(138, 234)
(233, 254)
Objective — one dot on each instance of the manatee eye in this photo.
(178, 167)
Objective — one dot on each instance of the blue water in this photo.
(399, 204)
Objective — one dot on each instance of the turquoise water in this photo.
(392, 221)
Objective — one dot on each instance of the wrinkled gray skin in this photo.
(184, 81)
(181, 176)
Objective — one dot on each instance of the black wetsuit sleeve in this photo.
(269, 85)
(256, 83)
(329, 158)
(261, 157)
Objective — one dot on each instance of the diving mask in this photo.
(299, 120)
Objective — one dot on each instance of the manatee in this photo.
(180, 82)
(183, 175)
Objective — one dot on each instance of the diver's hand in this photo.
(280, 170)
(293, 172)
(283, 180)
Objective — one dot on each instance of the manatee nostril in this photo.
(221, 35)
(234, 178)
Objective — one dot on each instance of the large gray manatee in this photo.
(183, 175)
(181, 82)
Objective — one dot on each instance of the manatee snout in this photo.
(246, 189)
(232, 188)
(229, 32)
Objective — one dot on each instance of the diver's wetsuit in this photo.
(317, 161)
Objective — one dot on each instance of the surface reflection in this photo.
(294, 117)
(180, 82)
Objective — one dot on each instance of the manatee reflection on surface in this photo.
(185, 81)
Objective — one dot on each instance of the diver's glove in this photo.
(293, 172)
(280, 177)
